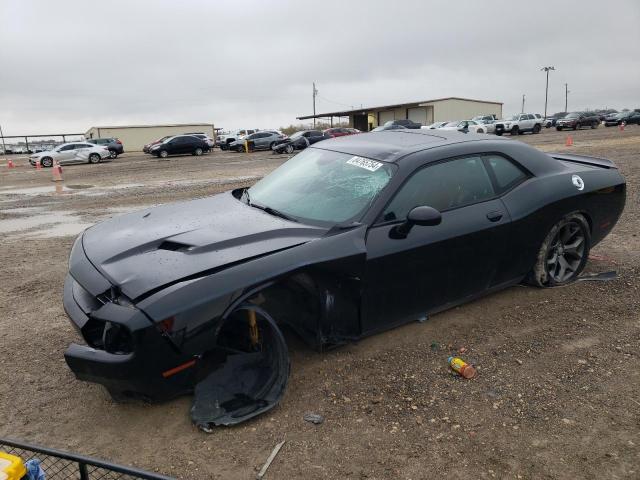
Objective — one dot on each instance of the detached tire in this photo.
(563, 253)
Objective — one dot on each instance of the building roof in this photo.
(344, 113)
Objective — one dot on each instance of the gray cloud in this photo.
(67, 65)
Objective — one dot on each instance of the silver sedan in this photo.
(67, 153)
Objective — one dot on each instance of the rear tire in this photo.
(94, 158)
(536, 128)
(197, 152)
(112, 154)
(563, 253)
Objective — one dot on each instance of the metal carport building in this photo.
(424, 112)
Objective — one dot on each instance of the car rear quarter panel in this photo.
(537, 204)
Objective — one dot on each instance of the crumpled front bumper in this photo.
(137, 373)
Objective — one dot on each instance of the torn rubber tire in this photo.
(249, 380)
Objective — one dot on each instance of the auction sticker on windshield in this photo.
(365, 163)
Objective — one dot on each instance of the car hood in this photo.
(154, 248)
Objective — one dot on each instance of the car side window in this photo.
(444, 186)
(67, 147)
(507, 174)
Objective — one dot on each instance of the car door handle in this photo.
(495, 216)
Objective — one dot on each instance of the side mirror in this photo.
(423, 216)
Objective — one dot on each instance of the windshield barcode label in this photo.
(365, 163)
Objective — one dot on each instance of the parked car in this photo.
(67, 153)
(628, 118)
(341, 131)
(488, 118)
(113, 144)
(555, 117)
(389, 126)
(226, 139)
(147, 147)
(299, 141)
(518, 124)
(575, 120)
(435, 125)
(179, 145)
(349, 238)
(204, 137)
(406, 123)
(263, 140)
(469, 126)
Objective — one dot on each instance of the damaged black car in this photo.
(351, 237)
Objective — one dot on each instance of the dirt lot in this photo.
(557, 395)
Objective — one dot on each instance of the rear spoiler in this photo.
(584, 159)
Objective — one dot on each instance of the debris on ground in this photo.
(264, 468)
(462, 367)
(314, 418)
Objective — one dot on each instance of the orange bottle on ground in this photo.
(462, 367)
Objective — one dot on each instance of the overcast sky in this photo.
(67, 65)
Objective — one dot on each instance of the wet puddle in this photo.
(38, 222)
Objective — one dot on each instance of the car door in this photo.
(82, 151)
(66, 154)
(438, 265)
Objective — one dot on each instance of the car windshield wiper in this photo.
(272, 211)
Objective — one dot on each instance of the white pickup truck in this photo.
(226, 139)
(518, 124)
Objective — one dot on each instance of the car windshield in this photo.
(322, 186)
(513, 117)
(296, 135)
(621, 114)
(573, 115)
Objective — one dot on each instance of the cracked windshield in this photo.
(321, 185)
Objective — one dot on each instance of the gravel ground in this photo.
(557, 394)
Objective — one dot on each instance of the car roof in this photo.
(392, 145)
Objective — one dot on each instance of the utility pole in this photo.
(546, 92)
(315, 94)
(4, 148)
(522, 103)
(566, 96)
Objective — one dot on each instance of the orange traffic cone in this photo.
(57, 172)
(10, 164)
(569, 141)
(38, 165)
(622, 126)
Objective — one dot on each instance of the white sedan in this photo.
(77, 152)
(470, 125)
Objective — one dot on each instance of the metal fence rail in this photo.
(59, 465)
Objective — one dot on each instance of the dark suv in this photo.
(113, 144)
(575, 120)
(180, 144)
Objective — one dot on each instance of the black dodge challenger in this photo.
(351, 237)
